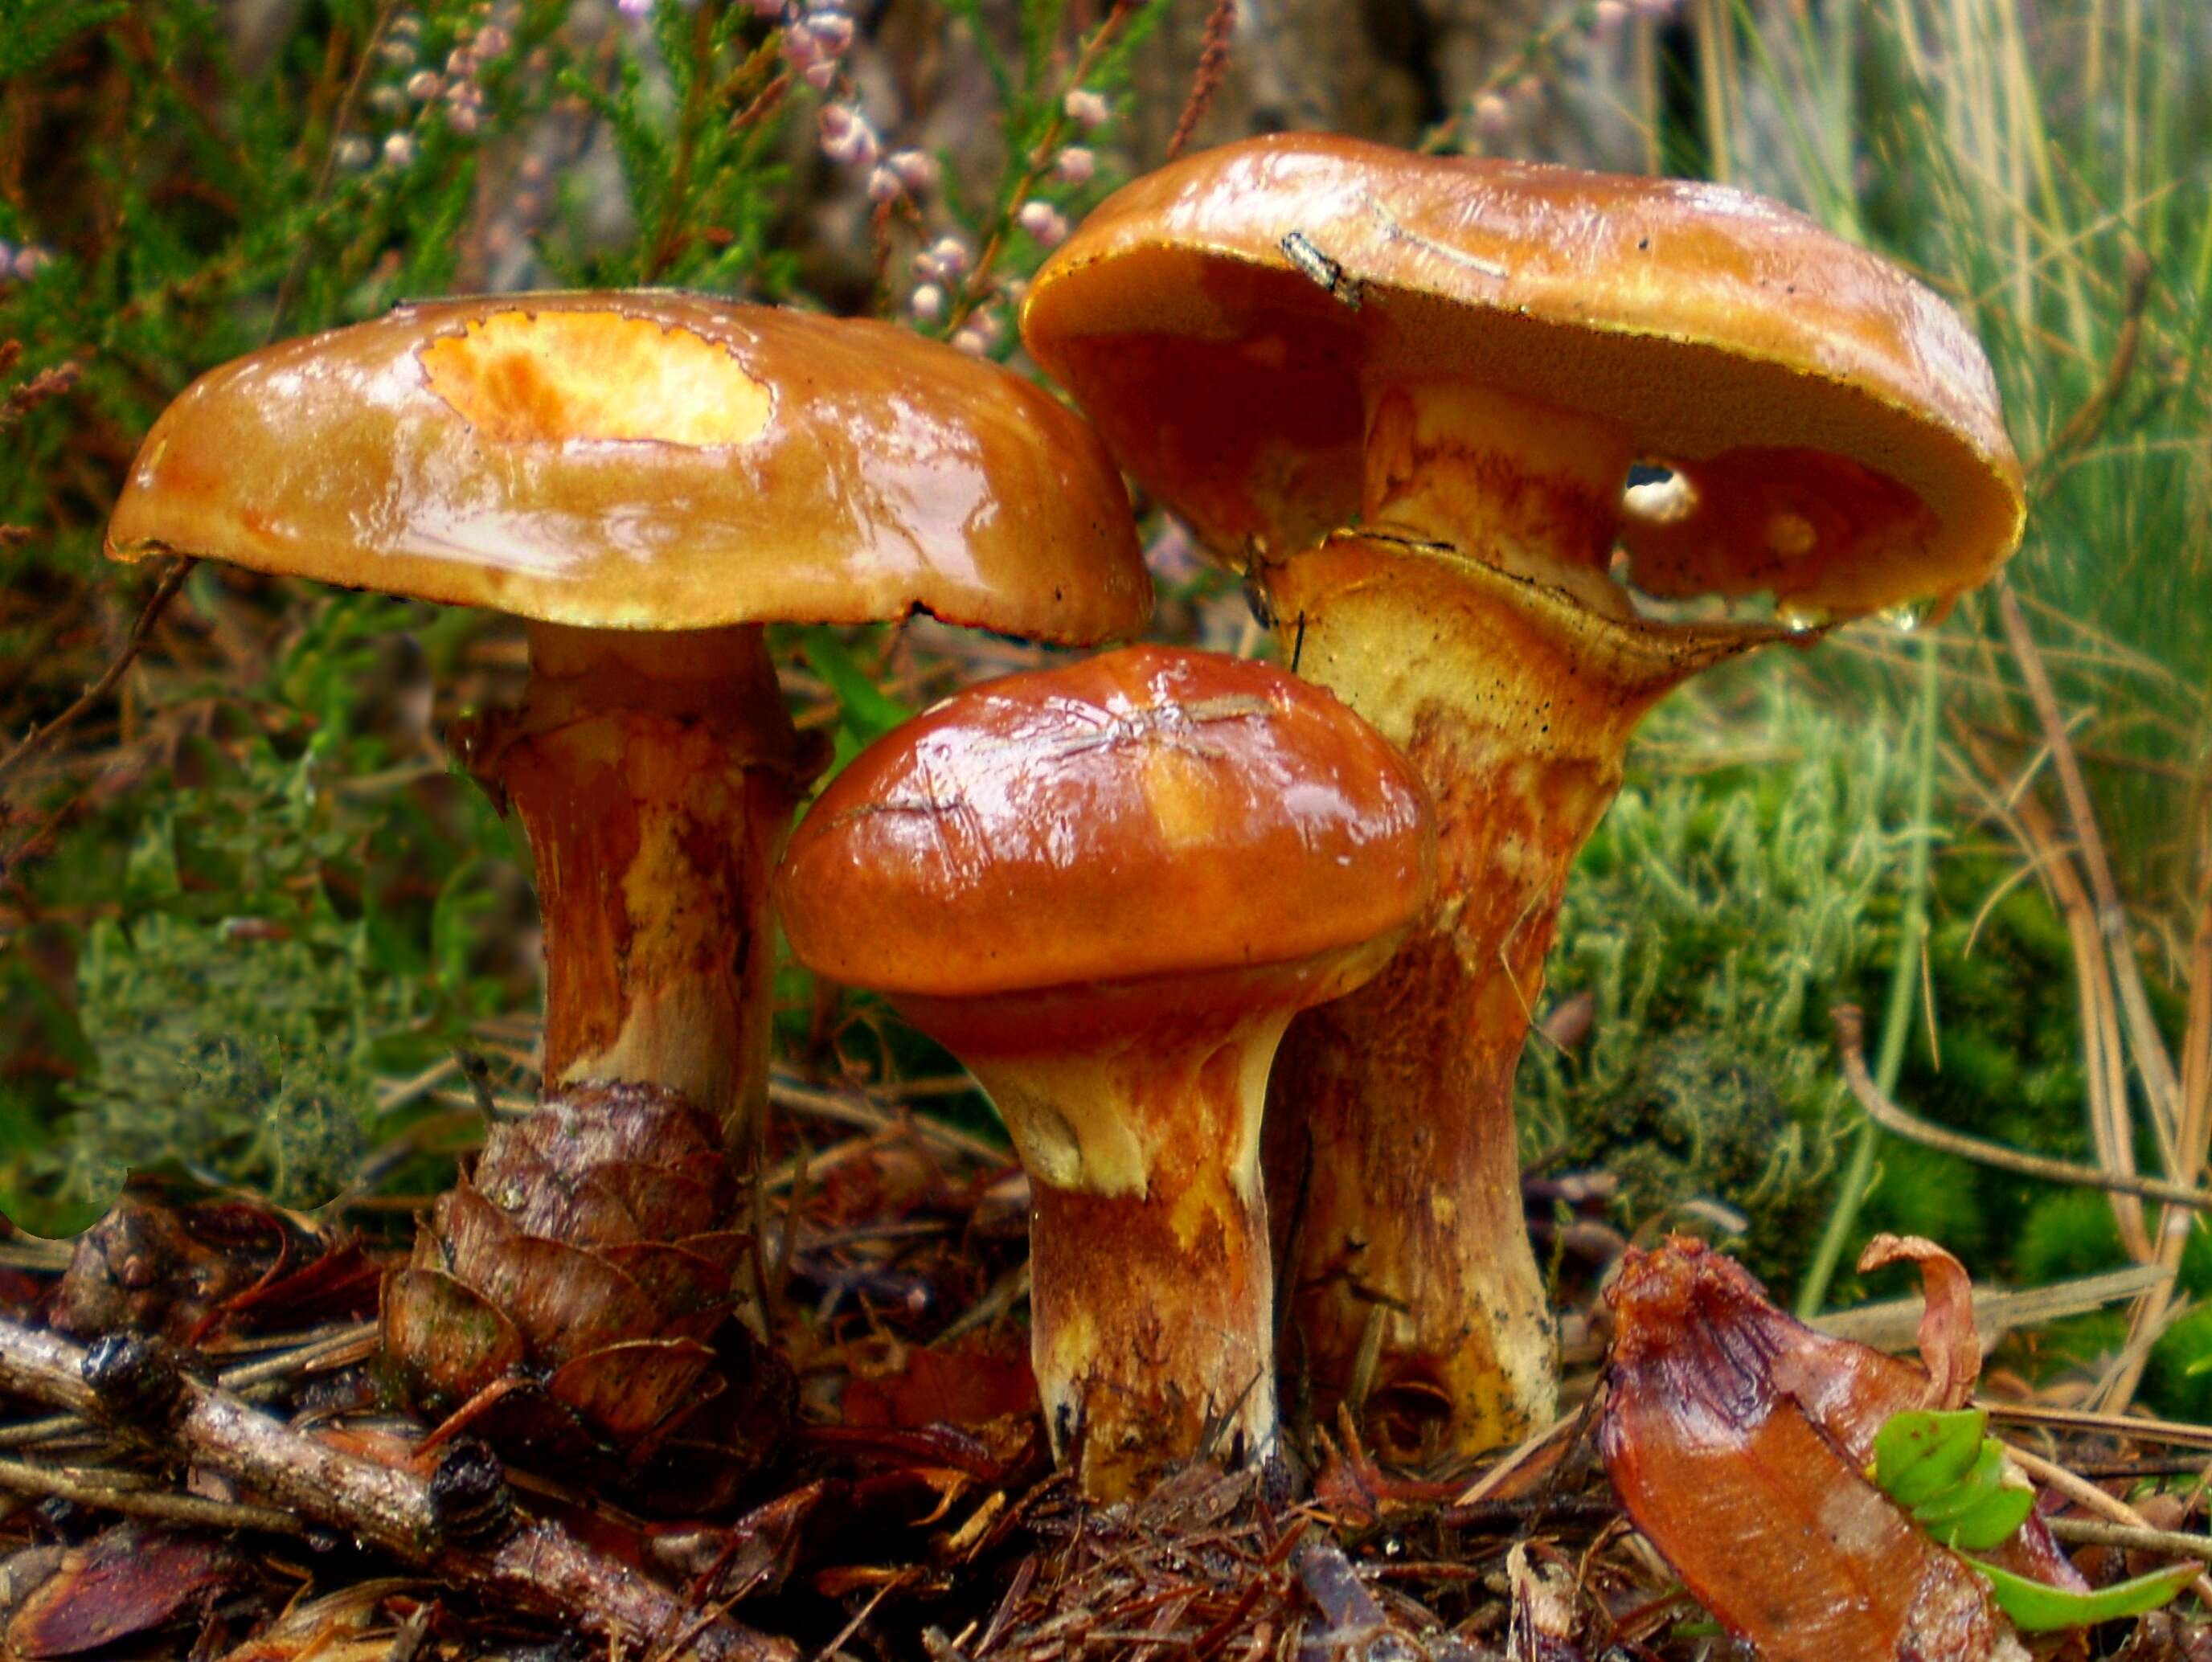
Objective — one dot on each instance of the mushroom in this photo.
(1405, 394)
(646, 478)
(1107, 888)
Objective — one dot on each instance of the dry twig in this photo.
(539, 1564)
(151, 614)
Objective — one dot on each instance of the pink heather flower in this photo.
(1492, 115)
(948, 257)
(398, 150)
(460, 63)
(1085, 108)
(1606, 18)
(352, 152)
(423, 85)
(926, 303)
(885, 184)
(1075, 165)
(846, 137)
(30, 261)
(1044, 222)
(463, 119)
(971, 340)
(491, 40)
(769, 11)
(1525, 89)
(916, 169)
(831, 31)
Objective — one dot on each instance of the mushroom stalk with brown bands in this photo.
(1107, 888)
(1404, 393)
(1394, 1125)
(655, 777)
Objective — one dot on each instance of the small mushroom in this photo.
(1405, 393)
(646, 478)
(1107, 888)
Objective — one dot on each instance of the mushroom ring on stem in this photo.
(646, 478)
(1107, 888)
(1405, 393)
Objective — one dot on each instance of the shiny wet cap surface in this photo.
(647, 460)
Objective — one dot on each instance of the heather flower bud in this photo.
(926, 303)
(1044, 223)
(1085, 108)
(30, 260)
(846, 135)
(1606, 18)
(971, 340)
(398, 150)
(1492, 115)
(1075, 165)
(884, 185)
(386, 100)
(831, 31)
(423, 85)
(949, 256)
(461, 64)
(820, 74)
(917, 169)
(352, 152)
(464, 119)
(491, 40)
(1527, 89)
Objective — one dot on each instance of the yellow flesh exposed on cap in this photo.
(549, 377)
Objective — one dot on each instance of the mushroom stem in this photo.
(1503, 669)
(1152, 1288)
(655, 776)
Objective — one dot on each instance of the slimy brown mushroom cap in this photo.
(1108, 888)
(647, 460)
(1230, 321)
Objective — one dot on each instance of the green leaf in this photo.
(1990, 1521)
(1980, 1484)
(1920, 1454)
(2035, 1608)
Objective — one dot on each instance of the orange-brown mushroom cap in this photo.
(1221, 318)
(1149, 813)
(647, 460)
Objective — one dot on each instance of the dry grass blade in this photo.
(2126, 1427)
(1850, 1026)
(1894, 1324)
(2104, 1064)
(2147, 1047)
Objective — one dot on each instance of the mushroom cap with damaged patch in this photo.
(1221, 320)
(647, 460)
(1152, 812)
